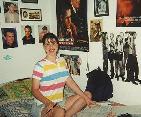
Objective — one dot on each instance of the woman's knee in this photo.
(59, 112)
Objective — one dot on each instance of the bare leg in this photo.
(74, 104)
(58, 112)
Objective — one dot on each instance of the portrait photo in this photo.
(95, 29)
(42, 30)
(101, 8)
(9, 38)
(27, 34)
(72, 28)
(11, 12)
(128, 13)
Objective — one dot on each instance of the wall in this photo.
(24, 57)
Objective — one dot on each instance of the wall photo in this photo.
(27, 34)
(96, 26)
(72, 27)
(42, 30)
(101, 8)
(73, 63)
(128, 13)
(9, 38)
(11, 12)
(120, 59)
(30, 14)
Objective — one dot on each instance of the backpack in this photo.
(100, 85)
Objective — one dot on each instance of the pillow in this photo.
(18, 89)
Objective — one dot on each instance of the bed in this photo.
(16, 101)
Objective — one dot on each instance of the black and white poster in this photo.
(120, 60)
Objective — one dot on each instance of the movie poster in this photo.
(128, 13)
(95, 29)
(72, 27)
(73, 63)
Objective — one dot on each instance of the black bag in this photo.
(100, 85)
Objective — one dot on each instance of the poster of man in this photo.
(128, 13)
(11, 12)
(101, 8)
(73, 63)
(42, 29)
(28, 37)
(72, 27)
(95, 29)
(9, 37)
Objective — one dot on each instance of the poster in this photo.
(95, 29)
(128, 13)
(73, 63)
(101, 8)
(72, 27)
(120, 60)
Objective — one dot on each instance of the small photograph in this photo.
(28, 38)
(95, 29)
(43, 29)
(9, 38)
(101, 8)
(11, 12)
(73, 63)
(30, 14)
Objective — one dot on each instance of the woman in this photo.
(50, 75)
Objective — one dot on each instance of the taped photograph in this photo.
(30, 14)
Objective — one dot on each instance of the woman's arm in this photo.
(37, 94)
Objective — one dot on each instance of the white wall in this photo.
(24, 57)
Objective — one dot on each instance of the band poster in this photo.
(120, 60)
(128, 13)
(72, 28)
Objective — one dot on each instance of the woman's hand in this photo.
(48, 110)
(89, 102)
(88, 97)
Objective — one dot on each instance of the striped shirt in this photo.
(52, 78)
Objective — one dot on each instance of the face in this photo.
(51, 46)
(11, 8)
(9, 38)
(127, 7)
(111, 36)
(45, 31)
(75, 3)
(27, 32)
(68, 18)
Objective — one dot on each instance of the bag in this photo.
(100, 85)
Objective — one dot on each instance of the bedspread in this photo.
(16, 101)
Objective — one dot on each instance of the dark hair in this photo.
(29, 27)
(44, 28)
(8, 30)
(51, 36)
